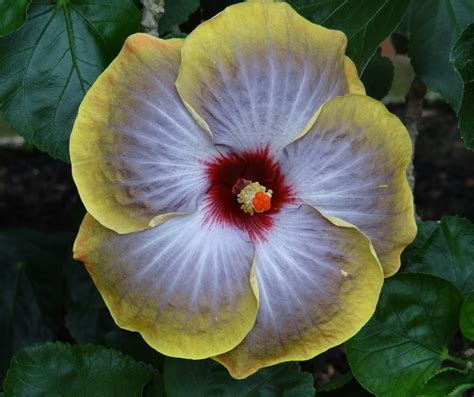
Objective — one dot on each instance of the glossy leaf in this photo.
(32, 295)
(57, 369)
(466, 318)
(446, 251)
(378, 76)
(365, 22)
(462, 57)
(434, 27)
(12, 15)
(185, 378)
(49, 64)
(132, 344)
(461, 390)
(89, 321)
(176, 12)
(425, 230)
(87, 317)
(444, 382)
(406, 340)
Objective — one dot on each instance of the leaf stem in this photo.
(456, 360)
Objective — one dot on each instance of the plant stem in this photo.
(414, 108)
(152, 12)
(456, 360)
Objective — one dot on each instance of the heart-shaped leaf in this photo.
(434, 27)
(444, 250)
(406, 340)
(57, 369)
(12, 15)
(49, 64)
(462, 57)
(206, 378)
(365, 22)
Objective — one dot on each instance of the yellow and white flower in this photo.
(244, 196)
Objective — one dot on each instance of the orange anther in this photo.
(261, 202)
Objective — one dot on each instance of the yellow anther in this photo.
(254, 198)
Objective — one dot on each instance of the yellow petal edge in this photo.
(166, 335)
(359, 297)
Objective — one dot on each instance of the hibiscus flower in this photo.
(244, 197)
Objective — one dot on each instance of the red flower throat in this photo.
(229, 174)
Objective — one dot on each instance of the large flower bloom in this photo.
(244, 197)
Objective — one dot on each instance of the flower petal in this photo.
(352, 165)
(355, 85)
(136, 152)
(319, 284)
(188, 287)
(256, 74)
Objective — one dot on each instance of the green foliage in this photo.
(87, 318)
(57, 369)
(445, 382)
(378, 76)
(466, 319)
(445, 250)
(176, 12)
(206, 378)
(50, 63)
(31, 288)
(365, 22)
(434, 26)
(462, 57)
(12, 15)
(47, 65)
(406, 340)
(349, 389)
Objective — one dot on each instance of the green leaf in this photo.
(89, 321)
(378, 76)
(350, 389)
(446, 251)
(466, 318)
(462, 54)
(460, 390)
(12, 15)
(466, 116)
(365, 22)
(49, 64)
(32, 295)
(434, 27)
(425, 230)
(176, 12)
(462, 57)
(406, 340)
(57, 369)
(87, 318)
(156, 388)
(132, 344)
(443, 383)
(207, 378)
